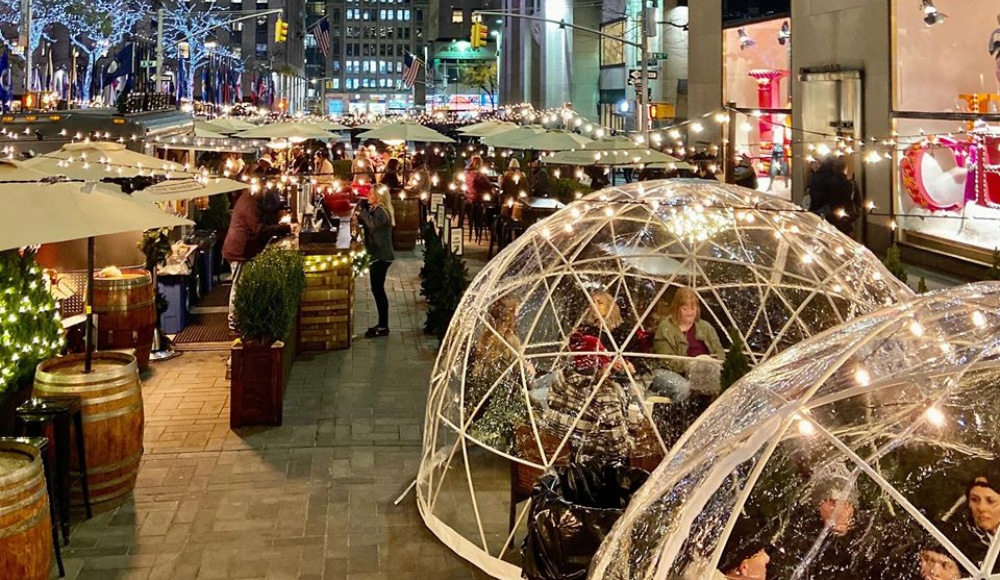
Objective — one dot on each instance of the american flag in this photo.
(322, 33)
(411, 67)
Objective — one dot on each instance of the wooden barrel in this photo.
(126, 313)
(111, 405)
(25, 527)
(404, 233)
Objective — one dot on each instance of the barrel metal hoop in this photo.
(95, 417)
(41, 492)
(130, 460)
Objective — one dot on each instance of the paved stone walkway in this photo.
(312, 499)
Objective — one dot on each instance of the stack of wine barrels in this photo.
(407, 228)
(126, 313)
(111, 405)
(25, 527)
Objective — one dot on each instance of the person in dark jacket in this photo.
(973, 533)
(832, 195)
(376, 219)
(390, 176)
(253, 223)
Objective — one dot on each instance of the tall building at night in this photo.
(463, 79)
(362, 70)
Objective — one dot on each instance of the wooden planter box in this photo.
(257, 383)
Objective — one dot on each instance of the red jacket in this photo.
(477, 187)
(248, 233)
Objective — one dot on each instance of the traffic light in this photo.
(662, 111)
(280, 30)
(479, 35)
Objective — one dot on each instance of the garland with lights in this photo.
(30, 328)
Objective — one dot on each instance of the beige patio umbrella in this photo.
(610, 158)
(204, 130)
(332, 127)
(288, 131)
(533, 139)
(99, 160)
(40, 212)
(228, 125)
(403, 132)
(487, 128)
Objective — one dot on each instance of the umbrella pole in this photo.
(89, 309)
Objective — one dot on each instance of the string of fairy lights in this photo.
(672, 139)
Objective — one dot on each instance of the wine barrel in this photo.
(25, 527)
(111, 406)
(404, 233)
(126, 313)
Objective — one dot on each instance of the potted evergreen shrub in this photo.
(265, 307)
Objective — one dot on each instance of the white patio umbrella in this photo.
(40, 212)
(98, 160)
(206, 131)
(487, 128)
(228, 125)
(288, 131)
(406, 132)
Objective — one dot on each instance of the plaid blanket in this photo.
(602, 429)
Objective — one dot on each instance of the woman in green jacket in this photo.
(684, 334)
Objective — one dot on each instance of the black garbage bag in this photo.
(571, 512)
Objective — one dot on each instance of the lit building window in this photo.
(457, 16)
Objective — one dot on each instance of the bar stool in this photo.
(42, 445)
(33, 417)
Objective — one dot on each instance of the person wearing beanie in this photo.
(974, 531)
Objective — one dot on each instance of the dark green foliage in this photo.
(894, 264)
(565, 189)
(268, 295)
(736, 363)
(30, 331)
(922, 286)
(155, 245)
(215, 216)
(444, 279)
(342, 169)
(994, 272)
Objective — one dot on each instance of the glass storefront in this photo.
(946, 100)
(756, 63)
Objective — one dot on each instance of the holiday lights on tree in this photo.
(193, 24)
(30, 330)
(95, 28)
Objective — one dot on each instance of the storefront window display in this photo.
(756, 60)
(948, 165)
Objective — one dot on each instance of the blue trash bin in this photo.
(175, 289)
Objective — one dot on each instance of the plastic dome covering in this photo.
(884, 421)
(498, 411)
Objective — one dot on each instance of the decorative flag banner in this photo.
(411, 67)
(322, 33)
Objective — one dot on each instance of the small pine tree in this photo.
(30, 330)
(432, 274)
(994, 272)
(454, 281)
(922, 286)
(736, 363)
(894, 264)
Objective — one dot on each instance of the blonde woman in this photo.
(600, 427)
(377, 220)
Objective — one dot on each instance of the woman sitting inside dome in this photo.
(602, 427)
(683, 333)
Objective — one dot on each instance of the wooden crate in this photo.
(327, 307)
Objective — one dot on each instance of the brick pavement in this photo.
(311, 499)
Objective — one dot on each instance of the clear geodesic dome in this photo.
(869, 452)
(562, 347)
